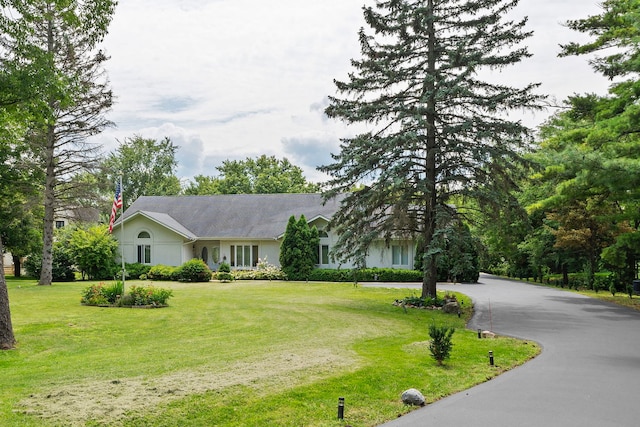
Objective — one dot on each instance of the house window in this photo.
(244, 256)
(59, 224)
(144, 254)
(324, 255)
(215, 254)
(400, 254)
(205, 255)
(144, 248)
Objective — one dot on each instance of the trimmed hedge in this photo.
(163, 272)
(365, 275)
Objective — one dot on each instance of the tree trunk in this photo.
(46, 275)
(17, 266)
(7, 339)
(429, 265)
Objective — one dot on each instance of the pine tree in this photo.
(437, 129)
(55, 43)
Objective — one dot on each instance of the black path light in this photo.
(491, 358)
(341, 408)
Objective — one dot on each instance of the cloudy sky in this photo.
(230, 79)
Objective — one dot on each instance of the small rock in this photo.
(488, 334)
(413, 397)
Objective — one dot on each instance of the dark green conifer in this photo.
(435, 127)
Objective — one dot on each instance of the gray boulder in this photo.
(451, 307)
(413, 397)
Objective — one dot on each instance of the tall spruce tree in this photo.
(57, 42)
(437, 129)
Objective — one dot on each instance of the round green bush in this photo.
(194, 270)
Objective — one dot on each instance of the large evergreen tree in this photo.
(437, 129)
(56, 42)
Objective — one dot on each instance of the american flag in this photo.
(117, 204)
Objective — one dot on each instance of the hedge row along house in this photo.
(237, 229)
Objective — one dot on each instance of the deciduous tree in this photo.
(263, 175)
(147, 168)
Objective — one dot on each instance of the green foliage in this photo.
(441, 345)
(365, 275)
(149, 296)
(149, 168)
(263, 271)
(194, 270)
(162, 272)
(111, 295)
(299, 249)
(416, 301)
(93, 251)
(51, 51)
(137, 270)
(224, 273)
(62, 265)
(102, 294)
(457, 260)
(434, 132)
(264, 175)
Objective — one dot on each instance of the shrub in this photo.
(162, 272)
(62, 267)
(441, 344)
(414, 301)
(224, 273)
(135, 270)
(194, 270)
(94, 295)
(113, 292)
(365, 275)
(149, 296)
(264, 271)
(103, 295)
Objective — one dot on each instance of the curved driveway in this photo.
(588, 373)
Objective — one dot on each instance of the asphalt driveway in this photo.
(587, 375)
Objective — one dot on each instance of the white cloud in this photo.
(230, 79)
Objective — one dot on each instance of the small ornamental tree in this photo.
(94, 252)
(441, 344)
(299, 249)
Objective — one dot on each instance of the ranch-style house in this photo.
(237, 229)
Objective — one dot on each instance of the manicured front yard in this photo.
(232, 354)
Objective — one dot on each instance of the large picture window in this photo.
(244, 255)
(400, 254)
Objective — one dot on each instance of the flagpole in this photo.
(122, 234)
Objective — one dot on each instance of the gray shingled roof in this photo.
(258, 216)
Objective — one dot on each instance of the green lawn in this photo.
(233, 354)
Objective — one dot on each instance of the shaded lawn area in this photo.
(232, 354)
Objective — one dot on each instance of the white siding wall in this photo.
(167, 247)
